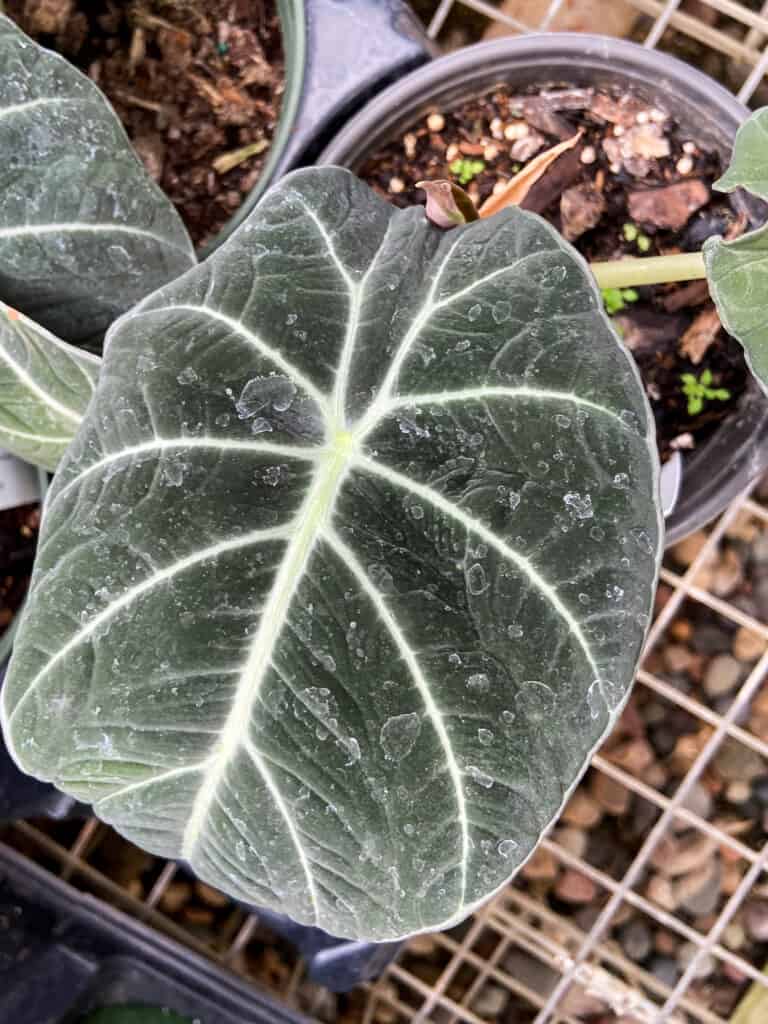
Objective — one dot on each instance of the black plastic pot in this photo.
(738, 452)
(338, 53)
(64, 954)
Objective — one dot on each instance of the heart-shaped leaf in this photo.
(84, 231)
(748, 167)
(348, 568)
(738, 270)
(45, 386)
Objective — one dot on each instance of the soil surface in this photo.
(193, 81)
(635, 184)
(18, 534)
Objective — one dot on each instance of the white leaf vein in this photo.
(349, 559)
(448, 508)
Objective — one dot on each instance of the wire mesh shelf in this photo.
(522, 958)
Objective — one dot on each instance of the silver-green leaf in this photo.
(748, 167)
(737, 271)
(45, 386)
(347, 571)
(84, 231)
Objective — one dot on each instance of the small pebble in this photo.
(574, 840)
(490, 1001)
(699, 801)
(734, 936)
(747, 646)
(756, 920)
(497, 128)
(737, 763)
(699, 891)
(722, 675)
(683, 442)
(573, 887)
(423, 945)
(684, 165)
(618, 130)
(636, 940)
(210, 896)
(686, 954)
(452, 153)
(642, 117)
(588, 155)
(490, 152)
(666, 970)
(176, 895)
(435, 122)
(657, 116)
(516, 130)
(409, 145)
(677, 658)
(611, 795)
(582, 810)
(687, 549)
(661, 891)
(396, 185)
(738, 792)
(689, 148)
(542, 866)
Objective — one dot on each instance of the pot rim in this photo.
(724, 466)
(480, 61)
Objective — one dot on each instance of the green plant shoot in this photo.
(616, 299)
(465, 169)
(698, 391)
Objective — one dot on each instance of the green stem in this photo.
(631, 272)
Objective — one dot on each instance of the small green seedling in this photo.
(632, 233)
(465, 169)
(616, 299)
(698, 391)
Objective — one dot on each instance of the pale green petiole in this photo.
(631, 272)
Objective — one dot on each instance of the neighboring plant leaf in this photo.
(448, 205)
(737, 272)
(749, 161)
(45, 386)
(349, 566)
(134, 1014)
(517, 188)
(84, 231)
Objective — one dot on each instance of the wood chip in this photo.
(701, 334)
(621, 111)
(581, 208)
(668, 207)
(691, 294)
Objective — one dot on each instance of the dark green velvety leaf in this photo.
(84, 231)
(45, 386)
(348, 568)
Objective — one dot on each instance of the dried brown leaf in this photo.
(700, 335)
(517, 188)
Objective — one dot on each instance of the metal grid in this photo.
(520, 919)
(737, 31)
(577, 958)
